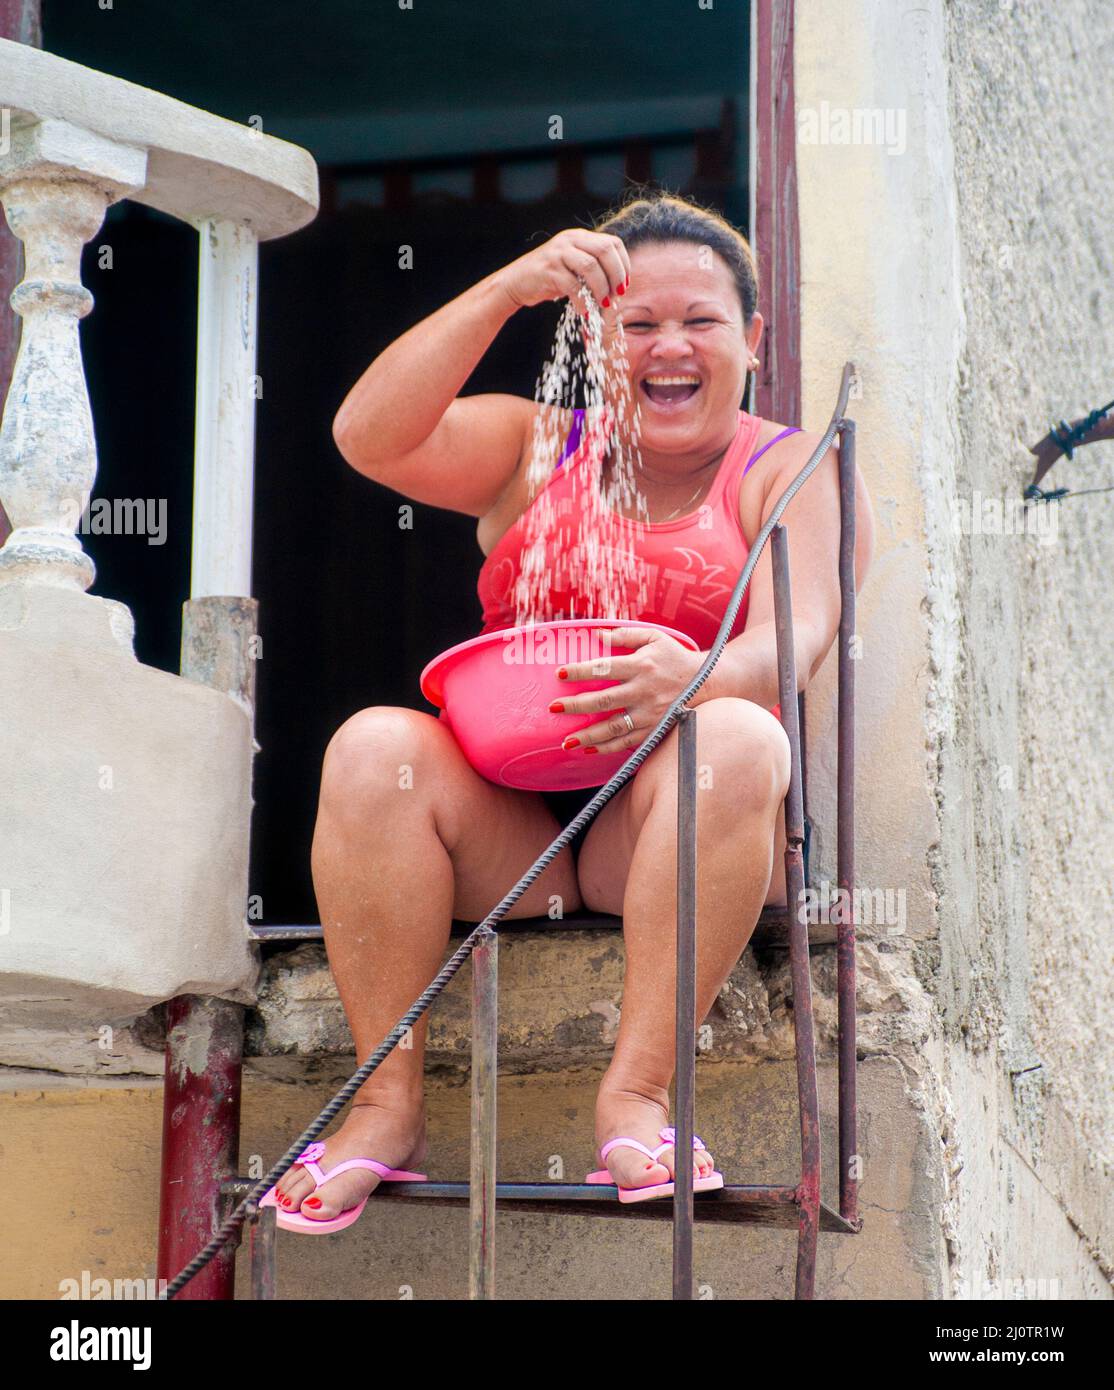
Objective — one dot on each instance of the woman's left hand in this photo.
(651, 678)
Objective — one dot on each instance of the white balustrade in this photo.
(80, 140)
(56, 181)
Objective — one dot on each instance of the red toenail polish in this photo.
(557, 707)
(312, 1202)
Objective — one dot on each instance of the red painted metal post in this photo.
(204, 1044)
(200, 1137)
(21, 20)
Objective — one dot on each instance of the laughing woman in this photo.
(392, 867)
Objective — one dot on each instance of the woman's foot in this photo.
(623, 1114)
(395, 1137)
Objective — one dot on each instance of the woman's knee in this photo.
(376, 752)
(743, 754)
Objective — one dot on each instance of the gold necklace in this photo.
(676, 510)
(684, 505)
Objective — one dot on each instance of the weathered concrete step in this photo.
(560, 999)
(560, 993)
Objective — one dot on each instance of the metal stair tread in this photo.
(772, 929)
(749, 1204)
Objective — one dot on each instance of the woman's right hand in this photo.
(555, 269)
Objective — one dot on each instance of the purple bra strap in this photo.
(793, 429)
(573, 441)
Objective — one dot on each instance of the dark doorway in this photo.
(406, 125)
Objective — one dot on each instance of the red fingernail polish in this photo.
(562, 674)
(571, 743)
(312, 1202)
(622, 289)
(556, 707)
(606, 302)
(591, 750)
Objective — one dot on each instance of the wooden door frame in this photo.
(774, 218)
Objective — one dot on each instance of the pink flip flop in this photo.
(712, 1183)
(295, 1221)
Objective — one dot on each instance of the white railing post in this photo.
(224, 438)
(56, 181)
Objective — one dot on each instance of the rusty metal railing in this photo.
(765, 1204)
(485, 1071)
(685, 1050)
(845, 836)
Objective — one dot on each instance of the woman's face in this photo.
(687, 347)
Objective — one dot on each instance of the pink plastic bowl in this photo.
(495, 692)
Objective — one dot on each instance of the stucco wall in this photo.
(946, 250)
(545, 1131)
(1030, 969)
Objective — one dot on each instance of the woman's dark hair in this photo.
(658, 217)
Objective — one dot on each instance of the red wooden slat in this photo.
(777, 230)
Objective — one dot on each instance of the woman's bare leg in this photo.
(743, 765)
(408, 836)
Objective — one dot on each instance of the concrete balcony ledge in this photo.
(199, 165)
(123, 827)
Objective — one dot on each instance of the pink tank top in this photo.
(690, 564)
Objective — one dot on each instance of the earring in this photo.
(754, 364)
